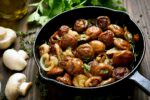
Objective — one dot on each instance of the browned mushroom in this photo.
(58, 34)
(136, 37)
(68, 40)
(123, 58)
(55, 71)
(120, 72)
(122, 44)
(101, 57)
(79, 80)
(44, 48)
(117, 30)
(97, 46)
(103, 70)
(107, 38)
(93, 32)
(107, 81)
(73, 66)
(103, 22)
(93, 63)
(93, 81)
(80, 25)
(66, 79)
(84, 52)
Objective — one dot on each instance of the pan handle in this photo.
(142, 82)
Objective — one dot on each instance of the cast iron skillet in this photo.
(117, 17)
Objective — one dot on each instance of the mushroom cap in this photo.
(14, 60)
(7, 37)
(2, 33)
(11, 89)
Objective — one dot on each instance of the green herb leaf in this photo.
(58, 7)
(95, 2)
(50, 3)
(34, 17)
(105, 71)
(86, 67)
(43, 20)
(41, 9)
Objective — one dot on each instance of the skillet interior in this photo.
(69, 17)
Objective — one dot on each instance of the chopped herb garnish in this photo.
(86, 59)
(104, 71)
(86, 67)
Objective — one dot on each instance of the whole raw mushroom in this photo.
(16, 85)
(7, 37)
(15, 60)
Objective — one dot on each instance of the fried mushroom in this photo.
(123, 58)
(97, 46)
(66, 79)
(59, 33)
(103, 22)
(44, 48)
(79, 80)
(73, 66)
(120, 72)
(117, 30)
(101, 57)
(80, 25)
(103, 70)
(107, 38)
(84, 52)
(107, 81)
(93, 81)
(93, 32)
(68, 40)
(55, 71)
(122, 44)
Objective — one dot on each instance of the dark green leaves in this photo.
(46, 9)
(57, 8)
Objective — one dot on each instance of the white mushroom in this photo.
(16, 85)
(15, 60)
(7, 37)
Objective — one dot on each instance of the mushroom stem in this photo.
(23, 88)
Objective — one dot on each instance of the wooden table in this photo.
(139, 11)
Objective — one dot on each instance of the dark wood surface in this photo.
(139, 11)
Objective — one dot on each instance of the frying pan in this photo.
(117, 17)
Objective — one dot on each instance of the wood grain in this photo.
(139, 11)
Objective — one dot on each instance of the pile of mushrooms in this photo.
(14, 60)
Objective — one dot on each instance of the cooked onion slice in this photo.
(47, 62)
